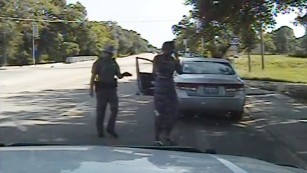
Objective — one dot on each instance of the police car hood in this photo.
(97, 159)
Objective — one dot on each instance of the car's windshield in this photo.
(207, 67)
(226, 75)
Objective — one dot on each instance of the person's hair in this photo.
(168, 46)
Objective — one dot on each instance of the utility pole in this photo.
(249, 61)
(4, 49)
(262, 47)
(34, 35)
(203, 45)
(185, 43)
(4, 43)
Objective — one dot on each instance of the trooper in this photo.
(103, 80)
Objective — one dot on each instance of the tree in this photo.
(303, 43)
(187, 30)
(100, 36)
(301, 50)
(284, 40)
(269, 44)
(302, 20)
(231, 12)
(71, 49)
(226, 18)
(63, 31)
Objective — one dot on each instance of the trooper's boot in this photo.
(171, 142)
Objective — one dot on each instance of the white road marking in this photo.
(233, 167)
(20, 127)
(77, 109)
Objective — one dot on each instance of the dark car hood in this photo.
(92, 159)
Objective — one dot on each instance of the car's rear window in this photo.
(205, 67)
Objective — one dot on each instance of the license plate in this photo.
(207, 90)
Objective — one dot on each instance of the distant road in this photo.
(54, 76)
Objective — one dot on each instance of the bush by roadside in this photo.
(299, 54)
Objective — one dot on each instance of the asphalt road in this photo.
(50, 104)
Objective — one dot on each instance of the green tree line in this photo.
(212, 24)
(283, 41)
(63, 31)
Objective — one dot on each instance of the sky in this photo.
(153, 19)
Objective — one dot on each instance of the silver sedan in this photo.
(210, 84)
(206, 85)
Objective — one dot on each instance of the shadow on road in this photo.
(277, 112)
(281, 118)
(68, 117)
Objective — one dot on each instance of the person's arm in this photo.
(118, 73)
(94, 73)
(178, 67)
(154, 65)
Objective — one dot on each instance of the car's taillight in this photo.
(234, 87)
(186, 86)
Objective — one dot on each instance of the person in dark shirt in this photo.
(165, 97)
(103, 79)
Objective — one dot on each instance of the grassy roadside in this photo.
(279, 68)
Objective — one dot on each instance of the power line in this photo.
(79, 21)
(144, 21)
(39, 20)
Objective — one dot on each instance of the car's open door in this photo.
(144, 79)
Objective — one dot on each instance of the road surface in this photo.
(50, 104)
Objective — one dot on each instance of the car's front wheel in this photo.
(236, 115)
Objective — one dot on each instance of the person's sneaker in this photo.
(159, 143)
(112, 133)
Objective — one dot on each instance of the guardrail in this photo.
(80, 59)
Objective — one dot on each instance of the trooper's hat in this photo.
(109, 49)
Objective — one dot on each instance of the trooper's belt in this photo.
(105, 85)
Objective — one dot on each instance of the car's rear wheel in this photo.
(236, 115)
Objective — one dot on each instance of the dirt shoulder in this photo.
(297, 91)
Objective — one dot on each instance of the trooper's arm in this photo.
(118, 73)
(154, 65)
(94, 73)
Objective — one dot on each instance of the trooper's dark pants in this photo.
(105, 96)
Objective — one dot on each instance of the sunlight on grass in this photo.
(277, 68)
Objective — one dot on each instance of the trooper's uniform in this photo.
(106, 91)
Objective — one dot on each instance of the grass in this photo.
(279, 68)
